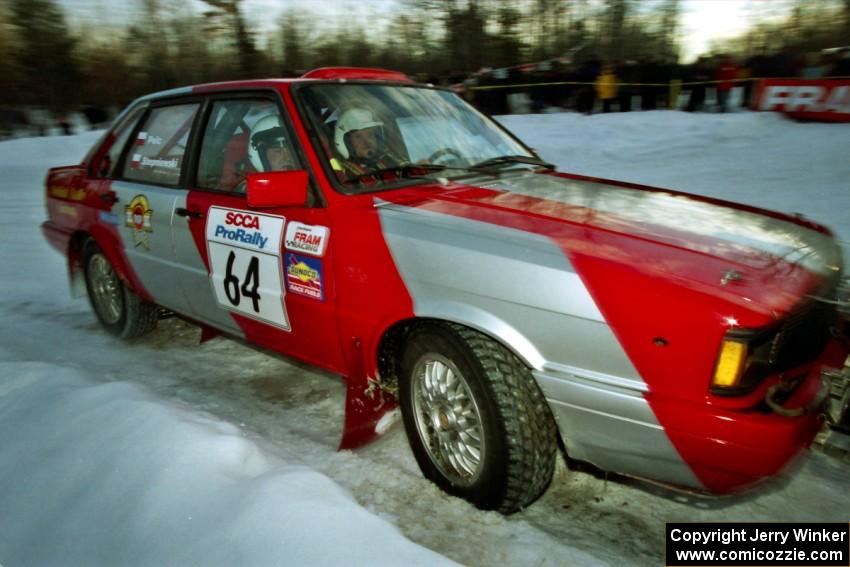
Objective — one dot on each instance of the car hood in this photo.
(759, 259)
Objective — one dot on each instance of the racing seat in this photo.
(235, 164)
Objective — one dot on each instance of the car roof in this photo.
(320, 74)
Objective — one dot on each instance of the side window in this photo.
(243, 136)
(116, 141)
(157, 154)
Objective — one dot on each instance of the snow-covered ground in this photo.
(165, 451)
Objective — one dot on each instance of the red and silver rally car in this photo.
(390, 233)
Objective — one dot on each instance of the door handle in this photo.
(181, 212)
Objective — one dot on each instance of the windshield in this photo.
(373, 136)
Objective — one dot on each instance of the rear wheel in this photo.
(119, 310)
(476, 420)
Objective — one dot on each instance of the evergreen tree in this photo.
(49, 73)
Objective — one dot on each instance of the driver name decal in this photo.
(246, 273)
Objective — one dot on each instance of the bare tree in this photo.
(227, 15)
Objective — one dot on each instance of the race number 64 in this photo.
(248, 282)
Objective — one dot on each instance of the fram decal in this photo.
(306, 238)
(811, 99)
(137, 215)
(304, 276)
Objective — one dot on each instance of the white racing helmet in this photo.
(267, 132)
(352, 120)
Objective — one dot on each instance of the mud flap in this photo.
(208, 333)
(365, 403)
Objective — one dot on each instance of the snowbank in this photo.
(107, 474)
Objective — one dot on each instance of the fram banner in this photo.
(810, 99)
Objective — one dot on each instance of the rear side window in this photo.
(117, 139)
(158, 150)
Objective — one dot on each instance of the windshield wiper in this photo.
(412, 170)
(407, 170)
(496, 162)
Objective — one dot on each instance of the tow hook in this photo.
(784, 387)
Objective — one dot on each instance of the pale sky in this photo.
(701, 22)
(706, 20)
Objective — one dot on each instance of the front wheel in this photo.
(119, 310)
(476, 420)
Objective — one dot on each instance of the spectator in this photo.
(64, 123)
(814, 68)
(629, 75)
(586, 97)
(699, 74)
(725, 74)
(841, 66)
(606, 87)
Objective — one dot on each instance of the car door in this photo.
(259, 273)
(148, 190)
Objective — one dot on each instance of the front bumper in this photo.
(732, 450)
(687, 445)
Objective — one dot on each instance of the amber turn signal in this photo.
(730, 364)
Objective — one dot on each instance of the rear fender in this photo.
(111, 245)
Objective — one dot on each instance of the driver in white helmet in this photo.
(268, 150)
(359, 138)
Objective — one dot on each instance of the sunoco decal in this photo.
(306, 238)
(245, 263)
(137, 215)
(304, 276)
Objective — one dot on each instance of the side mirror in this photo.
(277, 189)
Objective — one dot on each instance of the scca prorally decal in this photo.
(245, 263)
(137, 215)
(304, 275)
(306, 238)
(243, 228)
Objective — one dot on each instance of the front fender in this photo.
(485, 322)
